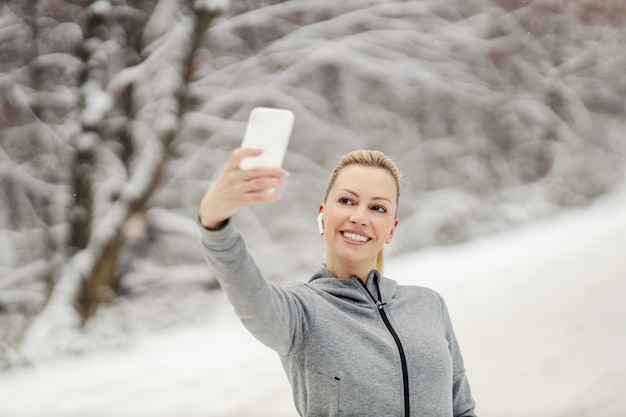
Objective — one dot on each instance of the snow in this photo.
(219, 6)
(538, 311)
(97, 103)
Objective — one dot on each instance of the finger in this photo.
(239, 154)
(263, 172)
(264, 183)
(261, 197)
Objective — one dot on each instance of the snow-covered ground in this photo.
(539, 312)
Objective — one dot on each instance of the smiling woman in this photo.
(352, 342)
(360, 210)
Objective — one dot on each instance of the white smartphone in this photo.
(268, 129)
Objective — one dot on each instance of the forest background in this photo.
(116, 115)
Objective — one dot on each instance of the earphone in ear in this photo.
(320, 223)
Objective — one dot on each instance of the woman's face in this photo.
(359, 217)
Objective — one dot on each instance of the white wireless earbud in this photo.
(320, 223)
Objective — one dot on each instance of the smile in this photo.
(355, 237)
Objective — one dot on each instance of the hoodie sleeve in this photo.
(273, 314)
(463, 403)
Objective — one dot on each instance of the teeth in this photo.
(355, 237)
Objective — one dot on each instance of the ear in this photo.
(393, 231)
(320, 219)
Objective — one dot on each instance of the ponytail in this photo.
(380, 261)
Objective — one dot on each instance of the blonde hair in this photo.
(373, 159)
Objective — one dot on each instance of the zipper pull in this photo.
(380, 304)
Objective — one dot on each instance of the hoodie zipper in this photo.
(405, 371)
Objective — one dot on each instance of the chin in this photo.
(357, 261)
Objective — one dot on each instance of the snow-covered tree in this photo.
(114, 116)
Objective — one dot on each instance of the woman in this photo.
(352, 342)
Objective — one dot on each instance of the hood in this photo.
(352, 289)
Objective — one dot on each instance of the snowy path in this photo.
(539, 312)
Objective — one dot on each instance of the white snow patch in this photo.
(97, 102)
(219, 6)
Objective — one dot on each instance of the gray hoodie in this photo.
(349, 349)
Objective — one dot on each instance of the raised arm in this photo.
(271, 313)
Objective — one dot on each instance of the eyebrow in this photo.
(374, 198)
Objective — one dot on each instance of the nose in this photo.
(359, 217)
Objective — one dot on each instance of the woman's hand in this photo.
(236, 188)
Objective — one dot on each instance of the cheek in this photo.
(382, 227)
(336, 216)
(387, 229)
(332, 221)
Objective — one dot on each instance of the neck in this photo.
(350, 271)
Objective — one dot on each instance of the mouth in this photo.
(355, 237)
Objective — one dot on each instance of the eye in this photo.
(346, 201)
(379, 208)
